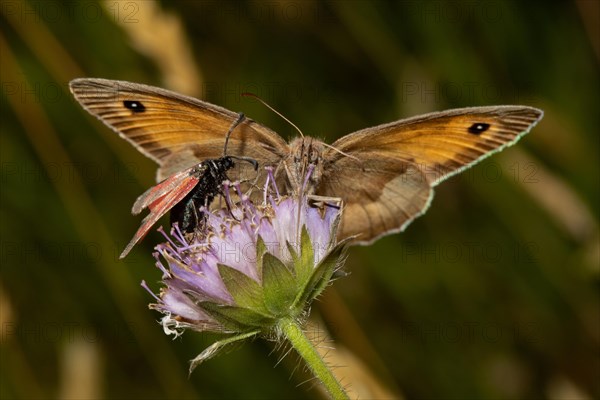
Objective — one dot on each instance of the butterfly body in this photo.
(385, 174)
(305, 153)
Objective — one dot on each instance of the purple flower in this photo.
(248, 268)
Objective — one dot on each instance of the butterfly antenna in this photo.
(274, 110)
(339, 151)
(292, 124)
(239, 120)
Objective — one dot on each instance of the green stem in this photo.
(294, 334)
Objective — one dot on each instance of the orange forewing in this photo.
(174, 130)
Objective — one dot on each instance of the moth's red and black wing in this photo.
(160, 199)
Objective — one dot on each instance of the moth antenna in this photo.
(238, 121)
(247, 159)
(339, 151)
(274, 110)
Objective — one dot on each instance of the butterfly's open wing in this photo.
(160, 202)
(174, 130)
(398, 163)
(380, 197)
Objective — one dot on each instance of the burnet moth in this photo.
(184, 192)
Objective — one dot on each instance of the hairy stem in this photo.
(293, 333)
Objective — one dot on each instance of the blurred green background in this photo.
(492, 294)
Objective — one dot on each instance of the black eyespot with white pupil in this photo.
(478, 128)
(134, 105)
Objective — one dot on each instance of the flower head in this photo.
(248, 268)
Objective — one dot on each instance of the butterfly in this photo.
(384, 175)
(183, 192)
